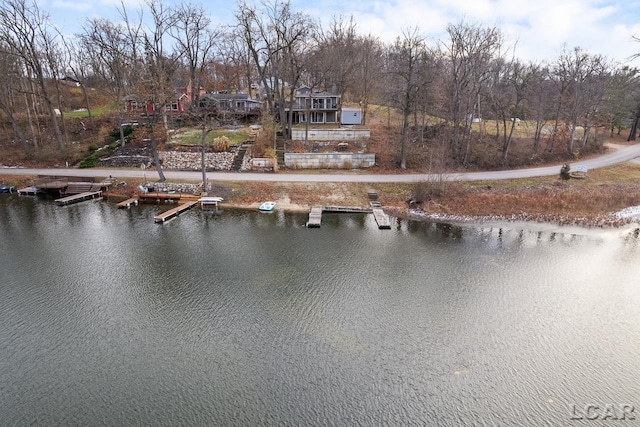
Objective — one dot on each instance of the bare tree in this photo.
(10, 74)
(196, 41)
(538, 100)
(623, 94)
(278, 40)
(79, 65)
(576, 72)
(367, 79)
(109, 52)
(26, 30)
(160, 65)
(340, 46)
(507, 92)
(470, 50)
(405, 60)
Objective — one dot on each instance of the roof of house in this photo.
(318, 94)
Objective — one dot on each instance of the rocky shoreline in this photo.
(610, 220)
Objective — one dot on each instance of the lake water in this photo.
(243, 318)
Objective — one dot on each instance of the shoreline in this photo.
(608, 221)
(609, 203)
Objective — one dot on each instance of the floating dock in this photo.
(127, 203)
(315, 217)
(174, 212)
(29, 191)
(76, 198)
(381, 218)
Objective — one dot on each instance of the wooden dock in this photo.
(315, 217)
(127, 203)
(382, 219)
(76, 198)
(346, 209)
(174, 212)
(29, 191)
(157, 197)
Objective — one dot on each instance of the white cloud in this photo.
(541, 27)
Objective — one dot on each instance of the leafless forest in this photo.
(438, 92)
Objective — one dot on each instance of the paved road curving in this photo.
(620, 155)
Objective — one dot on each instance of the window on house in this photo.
(319, 103)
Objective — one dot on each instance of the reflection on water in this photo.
(243, 318)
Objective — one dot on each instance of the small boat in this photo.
(6, 188)
(267, 206)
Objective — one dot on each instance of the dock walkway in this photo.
(76, 198)
(29, 191)
(315, 217)
(127, 203)
(382, 219)
(174, 212)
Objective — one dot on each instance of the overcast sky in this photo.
(539, 27)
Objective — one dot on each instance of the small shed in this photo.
(351, 116)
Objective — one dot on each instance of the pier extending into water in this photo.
(382, 219)
(315, 217)
(29, 191)
(76, 198)
(174, 212)
(127, 203)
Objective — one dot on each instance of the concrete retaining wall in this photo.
(331, 134)
(329, 160)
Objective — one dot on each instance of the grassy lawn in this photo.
(194, 136)
(95, 112)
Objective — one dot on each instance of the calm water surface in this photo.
(243, 318)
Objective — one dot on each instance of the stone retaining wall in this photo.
(179, 160)
(329, 160)
(177, 187)
(126, 161)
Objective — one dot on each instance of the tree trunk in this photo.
(203, 163)
(571, 137)
(156, 159)
(403, 141)
(86, 104)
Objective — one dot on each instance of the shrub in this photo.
(114, 135)
(88, 162)
(565, 171)
(221, 143)
(92, 160)
(436, 188)
(269, 152)
(92, 147)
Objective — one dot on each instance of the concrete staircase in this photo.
(280, 151)
(237, 162)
